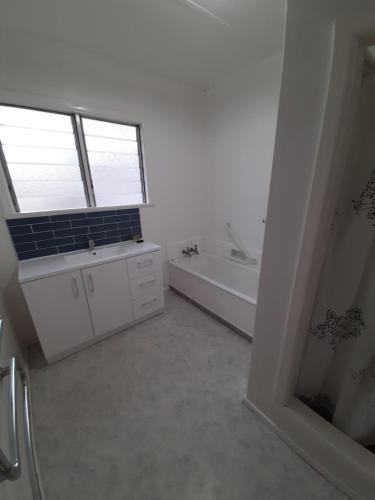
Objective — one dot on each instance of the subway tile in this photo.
(36, 253)
(47, 235)
(71, 232)
(126, 238)
(68, 216)
(23, 247)
(20, 229)
(27, 220)
(56, 242)
(117, 218)
(110, 241)
(136, 230)
(118, 232)
(127, 225)
(51, 226)
(87, 222)
(92, 215)
(103, 227)
(73, 247)
(127, 211)
(93, 236)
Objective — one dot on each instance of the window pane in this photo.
(114, 161)
(42, 159)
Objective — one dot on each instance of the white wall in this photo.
(40, 72)
(240, 135)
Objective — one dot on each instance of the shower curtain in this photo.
(337, 378)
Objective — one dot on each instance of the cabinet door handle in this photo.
(146, 283)
(145, 263)
(91, 283)
(75, 288)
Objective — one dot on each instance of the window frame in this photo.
(84, 166)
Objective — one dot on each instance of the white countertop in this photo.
(33, 269)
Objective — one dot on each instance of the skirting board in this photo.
(240, 332)
(306, 457)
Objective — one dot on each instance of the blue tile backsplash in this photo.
(52, 234)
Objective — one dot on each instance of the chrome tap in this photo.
(189, 251)
(194, 250)
(91, 245)
(186, 252)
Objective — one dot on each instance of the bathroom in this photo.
(153, 215)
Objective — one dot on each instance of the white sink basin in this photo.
(97, 254)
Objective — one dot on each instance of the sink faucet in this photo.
(91, 245)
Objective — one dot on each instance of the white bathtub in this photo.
(226, 288)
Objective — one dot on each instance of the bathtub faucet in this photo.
(189, 251)
(194, 250)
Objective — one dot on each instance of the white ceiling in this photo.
(193, 41)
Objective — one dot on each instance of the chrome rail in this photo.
(33, 472)
(10, 468)
(236, 240)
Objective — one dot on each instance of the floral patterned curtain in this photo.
(338, 370)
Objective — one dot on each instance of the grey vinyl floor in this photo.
(156, 413)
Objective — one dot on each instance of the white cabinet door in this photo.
(58, 306)
(108, 295)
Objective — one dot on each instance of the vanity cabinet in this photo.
(108, 296)
(58, 306)
(72, 309)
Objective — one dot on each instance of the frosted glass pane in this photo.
(21, 171)
(37, 138)
(42, 159)
(115, 200)
(125, 188)
(56, 203)
(47, 189)
(103, 145)
(131, 174)
(114, 162)
(30, 155)
(107, 129)
(111, 160)
(20, 117)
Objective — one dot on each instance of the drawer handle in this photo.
(91, 283)
(146, 283)
(145, 304)
(145, 263)
(75, 288)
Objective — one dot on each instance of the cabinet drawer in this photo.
(144, 264)
(148, 304)
(144, 285)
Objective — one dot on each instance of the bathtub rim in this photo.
(240, 295)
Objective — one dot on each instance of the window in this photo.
(56, 161)
(114, 159)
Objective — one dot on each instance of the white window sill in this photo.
(24, 215)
